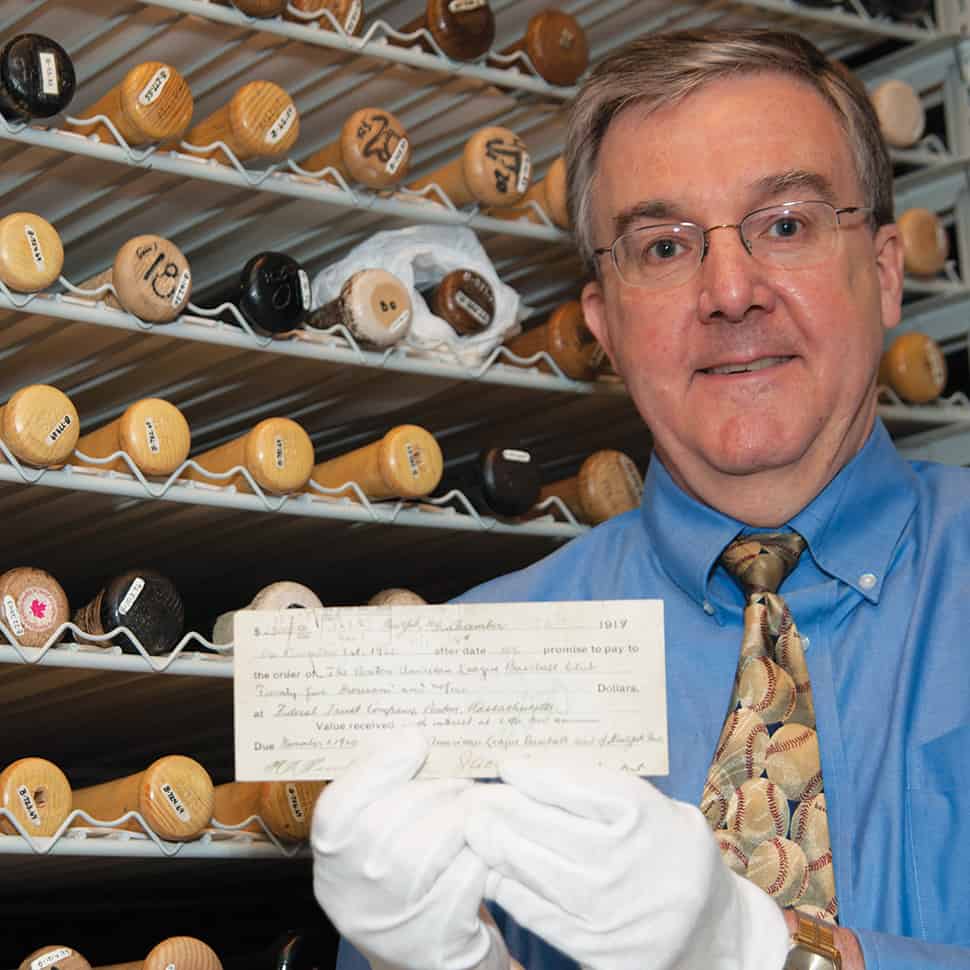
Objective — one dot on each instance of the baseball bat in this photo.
(256, 8)
(348, 13)
(606, 484)
(565, 337)
(259, 121)
(36, 78)
(174, 795)
(277, 452)
(925, 242)
(175, 953)
(914, 367)
(373, 305)
(151, 279)
(153, 432)
(503, 481)
(31, 252)
(405, 463)
(34, 604)
(464, 299)
(549, 194)
(556, 45)
(899, 110)
(144, 601)
(40, 426)
(277, 596)
(37, 793)
(274, 294)
(493, 169)
(286, 807)
(463, 29)
(152, 103)
(396, 596)
(372, 149)
(55, 957)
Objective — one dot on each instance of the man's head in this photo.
(754, 367)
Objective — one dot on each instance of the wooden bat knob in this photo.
(143, 600)
(405, 463)
(373, 149)
(396, 596)
(274, 293)
(900, 113)
(549, 195)
(277, 452)
(37, 793)
(373, 305)
(567, 340)
(914, 367)
(153, 432)
(182, 953)
(31, 252)
(39, 424)
(153, 103)
(34, 604)
(277, 596)
(465, 300)
(556, 45)
(607, 484)
(509, 481)
(494, 169)
(286, 807)
(260, 121)
(55, 957)
(925, 242)
(463, 29)
(347, 13)
(36, 78)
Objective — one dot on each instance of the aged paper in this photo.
(316, 689)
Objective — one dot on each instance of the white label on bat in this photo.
(414, 459)
(513, 454)
(169, 792)
(353, 17)
(472, 308)
(12, 614)
(304, 288)
(463, 6)
(282, 125)
(50, 958)
(280, 453)
(525, 172)
(34, 243)
(48, 73)
(134, 591)
(401, 319)
(394, 162)
(293, 798)
(182, 288)
(29, 807)
(155, 86)
(58, 429)
(151, 437)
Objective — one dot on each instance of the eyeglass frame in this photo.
(611, 249)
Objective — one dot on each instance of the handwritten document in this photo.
(316, 689)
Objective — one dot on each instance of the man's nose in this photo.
(731, 279)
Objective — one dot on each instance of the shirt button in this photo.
(867, 580)
(708, 609)
(805, 641)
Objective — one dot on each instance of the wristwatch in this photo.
(812, 946)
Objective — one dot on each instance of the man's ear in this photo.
(889, 266)
(594, 313)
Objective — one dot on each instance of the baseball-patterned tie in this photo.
(763, 795)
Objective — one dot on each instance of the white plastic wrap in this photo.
(419, 257)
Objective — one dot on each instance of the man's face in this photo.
(812, 336)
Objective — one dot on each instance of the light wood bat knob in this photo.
(397, 596)
(34, 604)
(182, 953)
(283, 595)
(37, 793)
(373, 305)
(55, 957)
(900, 113)
(925, 242)
(348, 13)
(153, 103)
(40, 425)
(567, 340)
(914, 367)
(31, 252)
(286, 807)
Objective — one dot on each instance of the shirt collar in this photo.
(852, 526)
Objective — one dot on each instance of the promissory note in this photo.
(315, 689)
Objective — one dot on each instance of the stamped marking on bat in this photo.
(58, 429)
(49, 80)
(48, 959)
(293, 799)
(172, 798)
(155, 86)
(515, 454)
(472, 308)
(23, 792)
(282, 125)
(33, 244)
(134, 591)
(12, 615)
(151, 437)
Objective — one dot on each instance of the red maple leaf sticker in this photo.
(38, 608)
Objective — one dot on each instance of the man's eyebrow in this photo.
(652, 209)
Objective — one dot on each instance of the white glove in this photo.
(617, 875)
(392, 870)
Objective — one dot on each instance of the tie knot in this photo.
(761, 563)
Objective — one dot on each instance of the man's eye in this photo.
(785, 228)
(661, 250)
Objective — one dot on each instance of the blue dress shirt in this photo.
(882, 598)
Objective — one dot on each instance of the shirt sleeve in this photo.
(885, 952)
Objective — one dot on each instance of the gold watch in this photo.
(812, 946)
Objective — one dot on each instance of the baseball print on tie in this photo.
(763, 795)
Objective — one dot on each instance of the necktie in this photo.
(763, 795)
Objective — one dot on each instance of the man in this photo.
(731, 193)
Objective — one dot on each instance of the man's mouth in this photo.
(753, 365)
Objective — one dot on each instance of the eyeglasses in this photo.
(788, 236)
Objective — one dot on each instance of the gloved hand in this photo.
(392, 870)
(617, 875)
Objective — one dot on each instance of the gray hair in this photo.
(661, 69)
